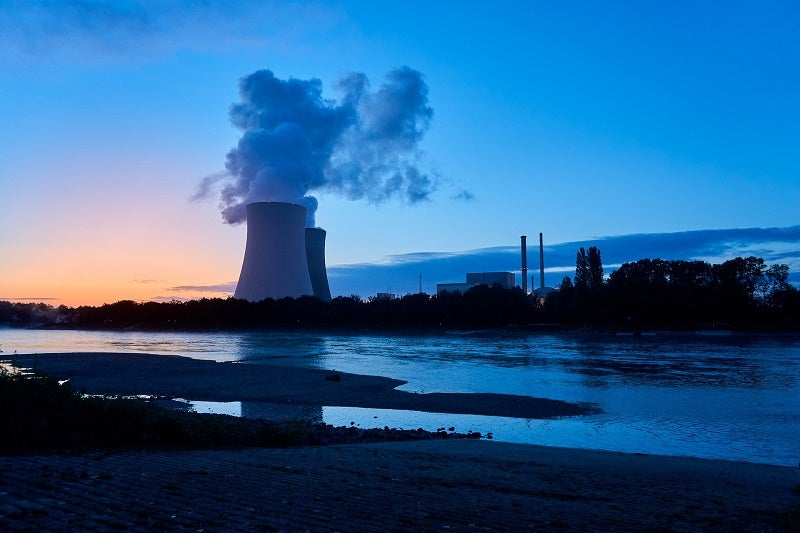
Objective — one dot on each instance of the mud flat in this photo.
(182, 377)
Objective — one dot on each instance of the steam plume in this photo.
(294, 142)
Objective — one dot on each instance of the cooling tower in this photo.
(315, 255)
(275, 264)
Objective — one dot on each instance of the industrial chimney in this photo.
(315, 256)
(524, 246)
(275, 263)
(541, 262)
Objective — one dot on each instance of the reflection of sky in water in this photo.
(220, 408)
(735, 397)
(716, 441)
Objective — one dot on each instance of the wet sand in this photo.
(453, 484)
(182, 377)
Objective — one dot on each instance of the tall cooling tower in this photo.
(275, 264)
(315, 255)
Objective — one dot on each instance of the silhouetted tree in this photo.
(587, 302)
(776, 280)
(560, 305)
(581, 270)
(595, 268)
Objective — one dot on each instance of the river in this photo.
(729, 397)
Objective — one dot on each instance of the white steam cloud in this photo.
(295, 142)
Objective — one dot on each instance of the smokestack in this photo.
(275, 263)
(524, 246)
(315, 255)
(541, 261)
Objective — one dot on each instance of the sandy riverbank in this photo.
(182, 377)
(461, 485)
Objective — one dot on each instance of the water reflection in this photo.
(735, 397)
(684, 362)
(262, 410)
(292, 349)
(278, 411)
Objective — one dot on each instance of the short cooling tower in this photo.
(275, 263)
(315, 255)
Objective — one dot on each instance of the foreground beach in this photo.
(458, 484)
(421, 485)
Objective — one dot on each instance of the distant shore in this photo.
(124, 374)
(569, 329)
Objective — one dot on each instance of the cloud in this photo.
(168, 299)
(31, 300)
(108, 30)
(295, 142)
(217, 288)
(463, 195)
(401, 272)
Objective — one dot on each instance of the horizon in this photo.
(711, 246)
(591, 124)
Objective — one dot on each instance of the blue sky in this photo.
(583, 120)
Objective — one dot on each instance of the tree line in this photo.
(481, 306)
(741, 293)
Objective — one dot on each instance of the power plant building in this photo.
(504, 279)
(453, 287)
(282, 257)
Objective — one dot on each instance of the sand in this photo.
(182, 377)
(451, 484)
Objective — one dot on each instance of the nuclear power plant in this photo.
(541, 291)
(282, 257)
(315, 257)
(505, 279)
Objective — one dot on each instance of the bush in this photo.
(39, 415)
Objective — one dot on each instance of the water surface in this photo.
(734, 397)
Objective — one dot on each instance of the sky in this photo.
(651, 129)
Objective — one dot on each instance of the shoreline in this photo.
(532, 328)
(130, 374)
(282, 393)
(460, 484)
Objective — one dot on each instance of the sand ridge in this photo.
(182, 377)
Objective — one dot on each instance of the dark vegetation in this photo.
(40, 415)
(482, 306)
(743, 293)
